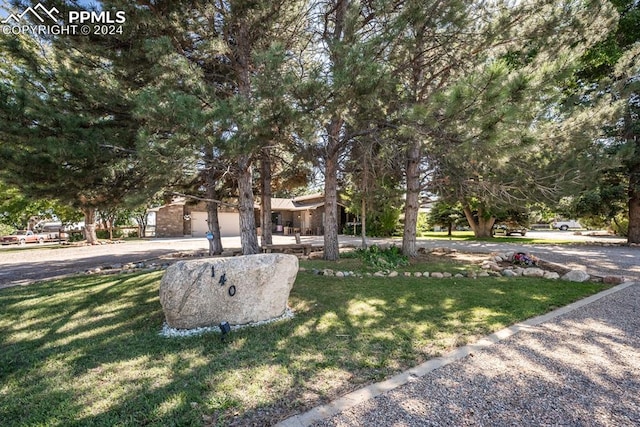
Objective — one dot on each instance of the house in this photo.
(304, 215)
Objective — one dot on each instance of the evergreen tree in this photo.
(66, 126)
(446, 46)
(349, 44)
(609, 74)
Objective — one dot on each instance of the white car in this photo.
(565, 225)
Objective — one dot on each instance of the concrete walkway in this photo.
(578, 365)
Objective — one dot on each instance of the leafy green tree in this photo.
(445, 214)
(16, 209)
(373, 184)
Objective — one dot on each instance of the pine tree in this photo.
(69, 120)
(444, 44)
(350, 44)
(609, 73)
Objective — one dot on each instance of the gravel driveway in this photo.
(581, 368)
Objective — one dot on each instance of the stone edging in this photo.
(493, 266)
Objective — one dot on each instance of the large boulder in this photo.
(237, 290)
(576, 276)
(533, 272)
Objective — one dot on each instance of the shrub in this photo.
(6, 229)
(621, 226)
(382, 259)
(104, 234)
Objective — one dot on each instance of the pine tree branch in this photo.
(204, 199)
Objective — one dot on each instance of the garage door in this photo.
(229, 224)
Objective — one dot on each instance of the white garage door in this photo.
(229, 224)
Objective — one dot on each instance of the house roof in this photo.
(300, 203)
(278, 204)
(309, 197)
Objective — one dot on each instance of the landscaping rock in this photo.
(551, 275)
(426, 274)
(576, 276)
(339, 274)
(447, 275)
(437, 275)
(417, 274)
(509, 273)
(533, 272)
(458, 275)
(613, 280)
(393, 274)
(238, 290)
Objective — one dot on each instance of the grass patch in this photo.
(87, 350)
(467, 236)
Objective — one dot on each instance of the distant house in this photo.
(304, 215)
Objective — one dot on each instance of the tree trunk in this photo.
(265, 186)
(412, 202)
(90, 225)
(110, 227)
(331, 247)
(141, 219)
(248, 234)
(210, 179)
(215, 244)
(484, 226)
(634, 207)
(363, 228)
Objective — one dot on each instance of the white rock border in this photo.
(169, 332)
(489, 267)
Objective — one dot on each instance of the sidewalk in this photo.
(578, 366)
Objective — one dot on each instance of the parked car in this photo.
(22, 237)
(510, 228)
(564, 225)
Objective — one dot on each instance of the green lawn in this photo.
(467, 236)
(87, 350)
